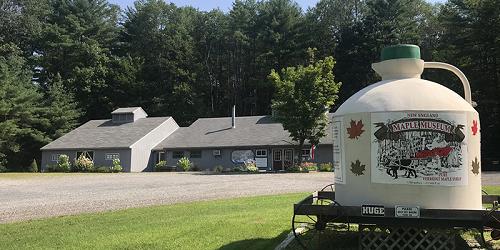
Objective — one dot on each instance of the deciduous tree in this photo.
(303, 97)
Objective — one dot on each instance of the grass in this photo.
(243, 223)
(492, 189)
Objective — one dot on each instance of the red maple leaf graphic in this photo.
(355, 130)
(474, 127)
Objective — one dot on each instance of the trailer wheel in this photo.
(493, 232)
(329, 188)
(311, 231)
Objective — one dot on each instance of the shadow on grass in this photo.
(258, 243)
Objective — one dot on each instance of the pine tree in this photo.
(33, 167)
(471, 41)
(62, 113)
(20, 111)
(78, 39)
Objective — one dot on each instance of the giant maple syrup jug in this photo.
(407, 141)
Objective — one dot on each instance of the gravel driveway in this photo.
(52, 195)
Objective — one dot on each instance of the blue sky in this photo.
(224, 5)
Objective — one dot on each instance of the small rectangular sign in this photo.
(261, 162)
(372, 210)
(407, 212)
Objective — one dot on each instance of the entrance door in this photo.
(288, 158)
(278, 159)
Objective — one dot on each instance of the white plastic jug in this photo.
(408, 141)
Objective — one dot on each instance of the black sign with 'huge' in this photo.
(372, 210)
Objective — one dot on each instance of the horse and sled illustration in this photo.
(412, 148)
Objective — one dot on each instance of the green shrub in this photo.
(83, 164)
(184, 163)
(218, 169)
(308, 166)
(3, 169)
(239, 169)
(3, 163)
(102, 169)
(63, 164)
(117, 167)
(295, 169)
(251, 167)
(326, 167)
(161, 166)
(33, 168)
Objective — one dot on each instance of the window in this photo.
(277, 155)
(216, 152)
(305, 152)
(261, 153)
(240, 156)
(55, 157)
(195, 154)
(88, 154)
(112, 156)
(161, 157)
(178, 154)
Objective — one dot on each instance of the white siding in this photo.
(142, 157)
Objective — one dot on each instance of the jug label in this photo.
(338, 153)
(419, 148)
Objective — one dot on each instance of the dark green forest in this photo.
(63, 62)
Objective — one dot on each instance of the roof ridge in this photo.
(220, 117)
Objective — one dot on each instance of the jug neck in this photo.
(399, 68)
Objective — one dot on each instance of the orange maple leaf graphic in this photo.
(474, 127)
(356, 129)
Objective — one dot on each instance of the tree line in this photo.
(63, 62)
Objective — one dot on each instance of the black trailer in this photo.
(319, 216)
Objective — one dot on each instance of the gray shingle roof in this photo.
(106, 134)
(217, 132)
(125, 110)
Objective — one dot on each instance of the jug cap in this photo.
(400, 51)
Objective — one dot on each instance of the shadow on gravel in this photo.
(247, 173)
(258, 243)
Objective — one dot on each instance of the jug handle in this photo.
(457, 72)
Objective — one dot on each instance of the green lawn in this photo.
(492, 189)
(244, 223)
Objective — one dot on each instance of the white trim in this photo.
(115, 111)
(111, 156)
(56, 157)
(86, 151)
(281, 155)
(159, 156)
(261, 155)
